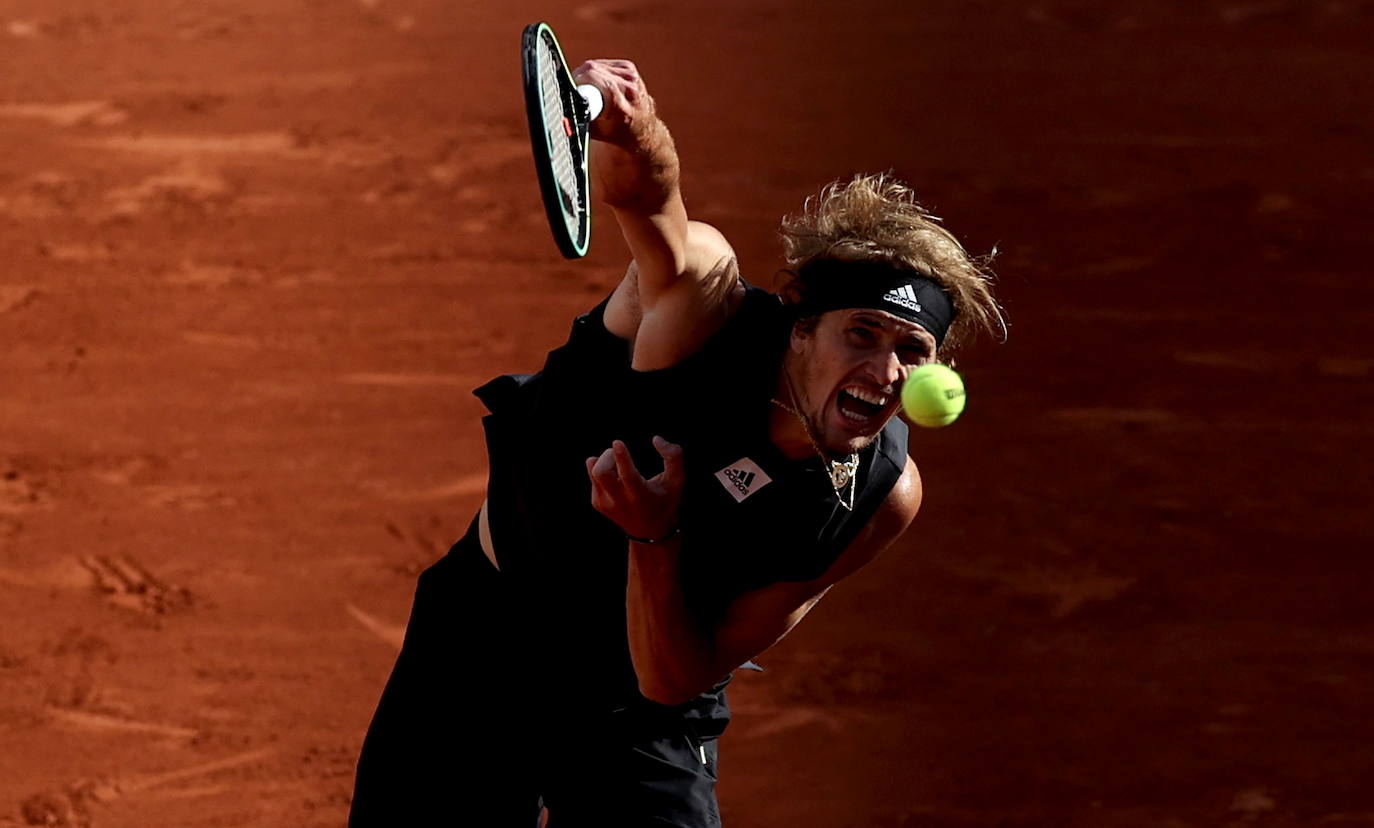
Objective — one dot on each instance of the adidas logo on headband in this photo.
(834, 284)
(904, 296)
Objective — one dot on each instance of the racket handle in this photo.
(592, 97)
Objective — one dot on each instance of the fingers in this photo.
(614, 471)
(626, 99)
(625, 466)
(606, 488)
(673, 474)
(641, 508)
(625, 69)
(602, 470)
(610, 76)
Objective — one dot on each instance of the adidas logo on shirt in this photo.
(904, 296)
(742, 478)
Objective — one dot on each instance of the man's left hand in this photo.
(641, 508)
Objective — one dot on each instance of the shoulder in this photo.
(895, 513)
(904, 501)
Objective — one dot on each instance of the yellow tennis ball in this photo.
(933, 396)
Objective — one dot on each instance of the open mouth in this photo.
(861, 406)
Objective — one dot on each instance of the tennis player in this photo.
(678, 486)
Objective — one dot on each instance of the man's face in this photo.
(851, 370)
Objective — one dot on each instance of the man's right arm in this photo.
(683, 283)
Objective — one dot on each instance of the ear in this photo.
(800, 339)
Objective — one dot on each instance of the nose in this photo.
(888, 369)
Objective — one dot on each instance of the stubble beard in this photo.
(815, 420)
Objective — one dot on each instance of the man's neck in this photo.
(785, 427)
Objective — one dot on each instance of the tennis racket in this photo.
(560, 113)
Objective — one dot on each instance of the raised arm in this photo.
(683, 283)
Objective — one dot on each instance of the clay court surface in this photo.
(254, 256)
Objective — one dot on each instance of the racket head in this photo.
(558, 124)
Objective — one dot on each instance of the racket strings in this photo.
(560, 149)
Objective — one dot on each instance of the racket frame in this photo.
(575, 119)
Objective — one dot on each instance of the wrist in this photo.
(654, 540)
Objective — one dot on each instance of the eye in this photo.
(863, 335)
(913, 354)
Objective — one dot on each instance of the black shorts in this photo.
(468, 731)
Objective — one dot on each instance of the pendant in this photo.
(843, 472)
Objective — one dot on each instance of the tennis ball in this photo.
(933, 396)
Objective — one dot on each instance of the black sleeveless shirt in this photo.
(750, 516)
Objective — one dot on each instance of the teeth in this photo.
(868, 396)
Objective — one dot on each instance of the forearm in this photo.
(674, 653)
(639, 174)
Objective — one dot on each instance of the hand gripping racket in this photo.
(560, 114)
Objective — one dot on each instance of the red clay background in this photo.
(256, 254)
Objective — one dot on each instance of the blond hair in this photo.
(875, 217)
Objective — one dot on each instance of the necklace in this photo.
(843, 473)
